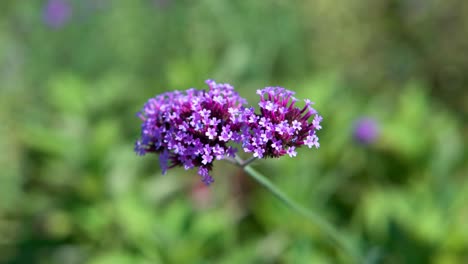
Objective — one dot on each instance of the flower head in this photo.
(366, 130)
(282, 126)
(191, 128)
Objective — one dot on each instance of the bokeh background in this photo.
(389, 77)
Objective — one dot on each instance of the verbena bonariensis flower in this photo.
(192, 128)
(281, 126)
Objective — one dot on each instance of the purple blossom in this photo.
(207, 158)
(218, 152)
(211, 133)
(282, 126)
(312, 141)
(191, 128)
(57, 13)
(204, 173)
(231, 152)
(291, 151)
(296, 125)
(258, 152)
(226, 134)
(366, 130)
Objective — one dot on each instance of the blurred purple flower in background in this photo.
(366, 130)
(57, 13)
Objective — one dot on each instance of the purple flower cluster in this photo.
(280, 127)
(192, 128)
(196, 127)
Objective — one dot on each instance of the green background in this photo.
(73, 191)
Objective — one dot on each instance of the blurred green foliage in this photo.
(72, 190)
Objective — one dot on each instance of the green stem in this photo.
(323, 225)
